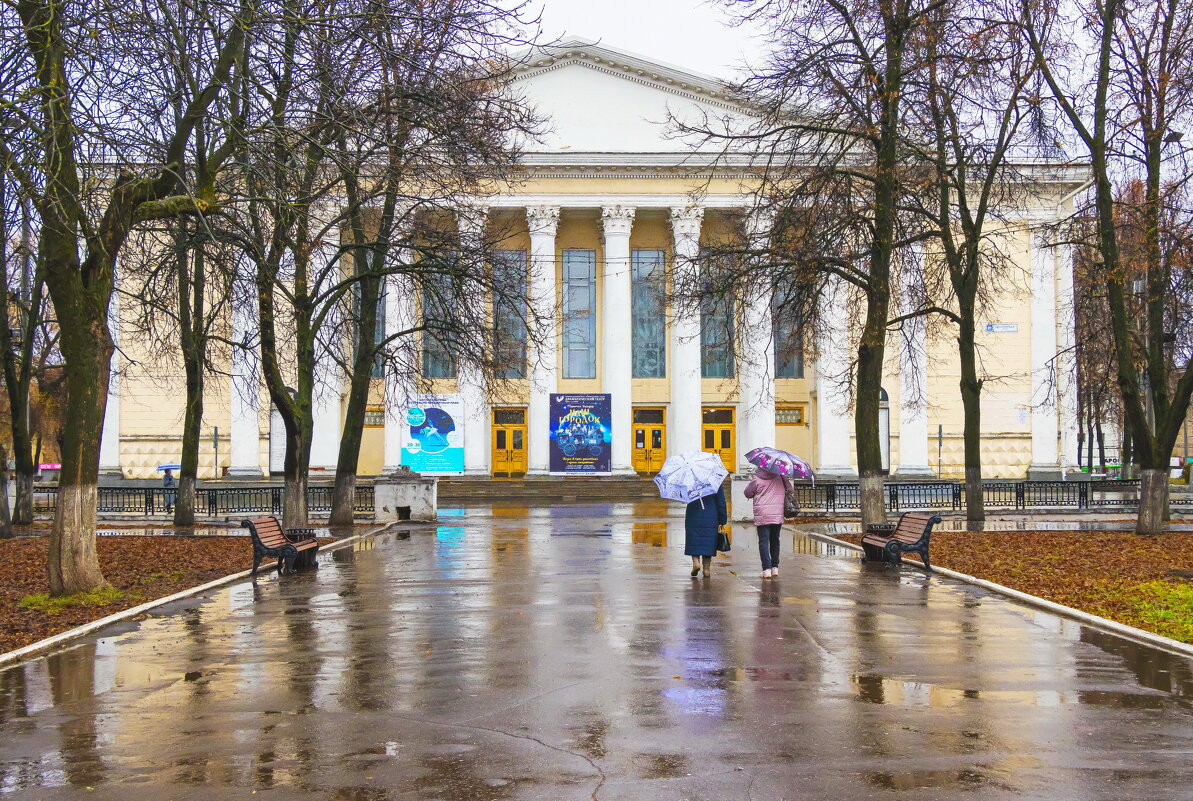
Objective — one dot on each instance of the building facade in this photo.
(608, 201)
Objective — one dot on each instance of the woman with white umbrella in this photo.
(696, 478)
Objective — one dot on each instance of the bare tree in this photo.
(435, 129)
(27, 341)
(1128, 105)
(86, 141)
(829, 138)
(970, 115)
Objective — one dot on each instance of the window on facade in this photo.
(789, 343)
(509, 312)
(648, 313)
(579, 314)
(716, 323)
(438, 359)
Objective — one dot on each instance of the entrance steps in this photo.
(558, 489)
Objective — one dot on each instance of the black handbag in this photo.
(790, 504)
(723, 543)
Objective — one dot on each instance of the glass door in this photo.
(650, 439)
(719, 435)
(509, 442)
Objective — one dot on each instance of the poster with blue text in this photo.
(581, 439)
(433, 434)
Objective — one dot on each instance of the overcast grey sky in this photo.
(686, 33)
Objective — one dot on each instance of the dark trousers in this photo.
(768, 545)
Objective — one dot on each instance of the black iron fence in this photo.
(833, 496)
(209, 501)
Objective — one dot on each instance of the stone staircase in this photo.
(548, 489)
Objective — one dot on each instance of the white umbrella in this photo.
(691, 475)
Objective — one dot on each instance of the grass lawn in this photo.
(1145, 582)
(139, 568)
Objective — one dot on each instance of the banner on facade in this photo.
(433, 434)
(581, 440)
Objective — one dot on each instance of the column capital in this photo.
(471, 217)
(542, 219)
(617, 219)
(759, 223)
(686, 221)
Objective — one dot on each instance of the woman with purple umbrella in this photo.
(768, 490)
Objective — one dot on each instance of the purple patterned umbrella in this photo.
(781, 462)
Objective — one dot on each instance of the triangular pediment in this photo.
(597, 99)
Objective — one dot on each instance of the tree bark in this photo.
(1153, 501)
(364, 357)
(73, 564)
(5, 515)
(192, 342)
(971, 403)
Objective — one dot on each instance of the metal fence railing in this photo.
(824, 496)
(209, 501)
(834, 496)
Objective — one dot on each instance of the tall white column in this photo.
(245, 445)
(684, 416)
(401, 365)
(1045, 462)
(756, 367)
(913, 374)
(325, 403)
(542, 222)
(835, 425)
(470, 380)
(109, 442)
(1067, 360)
(617, 363)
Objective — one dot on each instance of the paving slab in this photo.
(521, 652)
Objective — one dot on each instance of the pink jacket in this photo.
(767, 489)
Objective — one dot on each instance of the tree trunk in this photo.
(184, 504)
(73, 565)
(971, 403)
(1153, 501)
(294, 500)
(1101, 446)
(297, 466)
(5, 516)
(1126, 456)
(348, 459)
(23, 512)
(869, 449)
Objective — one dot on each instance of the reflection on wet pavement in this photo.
(515, 652)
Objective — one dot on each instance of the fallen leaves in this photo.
(1116, 574)
(140, 568)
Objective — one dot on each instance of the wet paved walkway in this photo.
(565, 654)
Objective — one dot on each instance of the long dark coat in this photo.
(701, 524)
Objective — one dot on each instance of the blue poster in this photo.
(581, 440)
(433, 436)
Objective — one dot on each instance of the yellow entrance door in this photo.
(509, 442)
(719, 436)
(650, 439)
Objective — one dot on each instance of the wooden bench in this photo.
(293, 548)
(889, 542)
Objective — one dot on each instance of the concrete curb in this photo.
(50, 643)
(1105, 624)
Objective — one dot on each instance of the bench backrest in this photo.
(269, 531)
(912, 526)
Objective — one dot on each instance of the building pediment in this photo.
(596, 99)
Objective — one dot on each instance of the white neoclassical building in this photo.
(610, 200)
